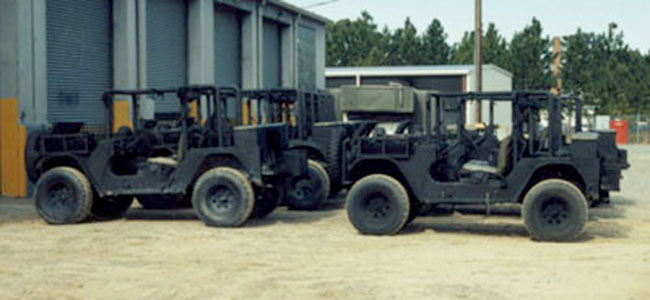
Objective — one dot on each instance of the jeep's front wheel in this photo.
(310, 192)
(63, 196)
(378, 205)
(223, 197)
(554, 210)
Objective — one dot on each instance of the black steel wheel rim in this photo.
(378, 209)
(303, 189)
(222, 199)
(555, 211)
(60, 197)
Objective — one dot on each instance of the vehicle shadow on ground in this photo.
(160, 214)
(280, 215)
(474, 220)
(455, 224)
(17, 210)
(616, 209)
(283, 215)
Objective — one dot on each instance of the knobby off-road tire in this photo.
(223, 197)
(378, 205)
(311, 192)
(109, 208)
(63, 196)
(555, 210)
(334, 161)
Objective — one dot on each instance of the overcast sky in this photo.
(558, 17)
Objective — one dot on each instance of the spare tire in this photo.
(335, 160)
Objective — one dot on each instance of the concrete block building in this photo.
(57, 57)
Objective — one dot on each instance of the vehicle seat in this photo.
(480, 166)
(502, 161)
(163, 160)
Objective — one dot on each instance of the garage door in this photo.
(306, 58)
(166, 48)
(79, 59)
(227, 46)
(272, 55)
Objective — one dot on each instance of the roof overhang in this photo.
(299, 11)
(409, 71)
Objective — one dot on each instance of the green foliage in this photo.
(407, 45)
(599, 66)
(354, 43)
(603, 69)
(530, 58)
(434, 48)
(464, 51)
(495, 49)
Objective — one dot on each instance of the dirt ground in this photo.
(300, 255)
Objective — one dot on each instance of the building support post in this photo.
(478, 61)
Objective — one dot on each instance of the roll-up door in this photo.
(272, 55)
(166, 48)
(79, 59)
(227, 46)
(306, 58)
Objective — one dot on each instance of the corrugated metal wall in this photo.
(437, 83)
(306, 58)
(272, 55)
(79, 59)
(227, 46)
(166, 48)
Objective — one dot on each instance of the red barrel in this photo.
(620, 127)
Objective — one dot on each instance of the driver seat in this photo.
(484, 167)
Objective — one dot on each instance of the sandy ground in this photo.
(297, 255)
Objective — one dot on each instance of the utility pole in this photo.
(557, 65)
(478, 61)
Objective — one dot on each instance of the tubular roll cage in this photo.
(216, 104)
(307, 107)
(524, 103)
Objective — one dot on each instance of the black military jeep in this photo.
(313, 127)
(231, 172)
(553, 177)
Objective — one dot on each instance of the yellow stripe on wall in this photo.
(121, 115)
(13, 178)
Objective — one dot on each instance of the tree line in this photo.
(600, 66)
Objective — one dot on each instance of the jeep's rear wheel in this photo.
(555, 210)
(63, 196)
(223, 197)
(310, 192)
(378, 205)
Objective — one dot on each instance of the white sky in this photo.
(558, 17)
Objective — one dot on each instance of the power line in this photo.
(322, 3)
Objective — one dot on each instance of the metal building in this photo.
(58, 57)
(445, 78)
